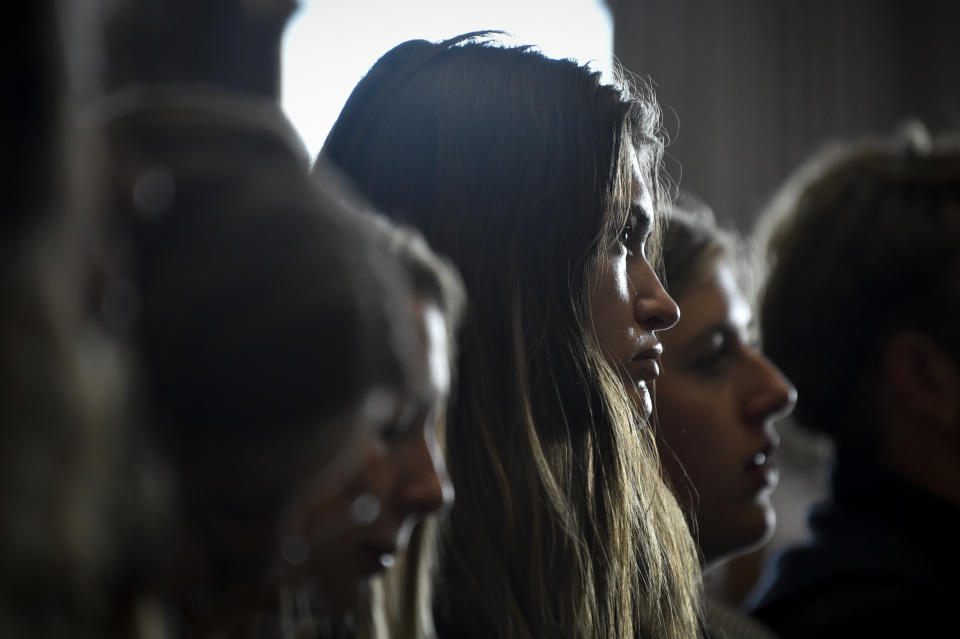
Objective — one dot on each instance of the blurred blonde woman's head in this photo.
(284, 359)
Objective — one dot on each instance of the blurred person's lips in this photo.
(377, 557)
(761, 465)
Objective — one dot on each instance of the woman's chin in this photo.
(344, 597)
(753, 532)
(643, 399)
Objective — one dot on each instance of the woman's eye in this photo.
(636, 232)
(410, 424)
(398, 427)
(393, 430)
(716, 356)
(629, 236)
(710, 364)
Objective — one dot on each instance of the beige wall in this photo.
(750, 87)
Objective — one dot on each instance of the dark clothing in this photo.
(724, 622)
(882, 561)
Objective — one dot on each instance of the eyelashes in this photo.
(720, 352)
(634, 236)
(637, 230)
(394, 430)
(398, 426)
(629, 229)
(411, 422)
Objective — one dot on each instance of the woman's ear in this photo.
(924, 379)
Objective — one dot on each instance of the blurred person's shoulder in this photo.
(882, 560)
(726, 622)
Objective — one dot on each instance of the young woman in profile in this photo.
(717, 398)
(541, 183)
(289, 357)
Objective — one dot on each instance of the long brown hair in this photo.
(517, 167)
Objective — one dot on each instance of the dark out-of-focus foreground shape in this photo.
(231, 44)
(58, 375)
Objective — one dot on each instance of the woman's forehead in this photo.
(639, 189)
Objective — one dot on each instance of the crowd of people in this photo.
(477, 370)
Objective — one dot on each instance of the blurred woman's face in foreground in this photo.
(716, 400)
(355, 532)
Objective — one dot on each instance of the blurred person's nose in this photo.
(425, 484)
(770, 394)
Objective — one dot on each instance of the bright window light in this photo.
(330, 44)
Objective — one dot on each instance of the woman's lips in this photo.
(645, 365)
(645, 369)
(376, 558)
(759, 459)
(761, 466)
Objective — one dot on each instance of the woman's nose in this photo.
(772, 396)
(654, 309)
(426, 486)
